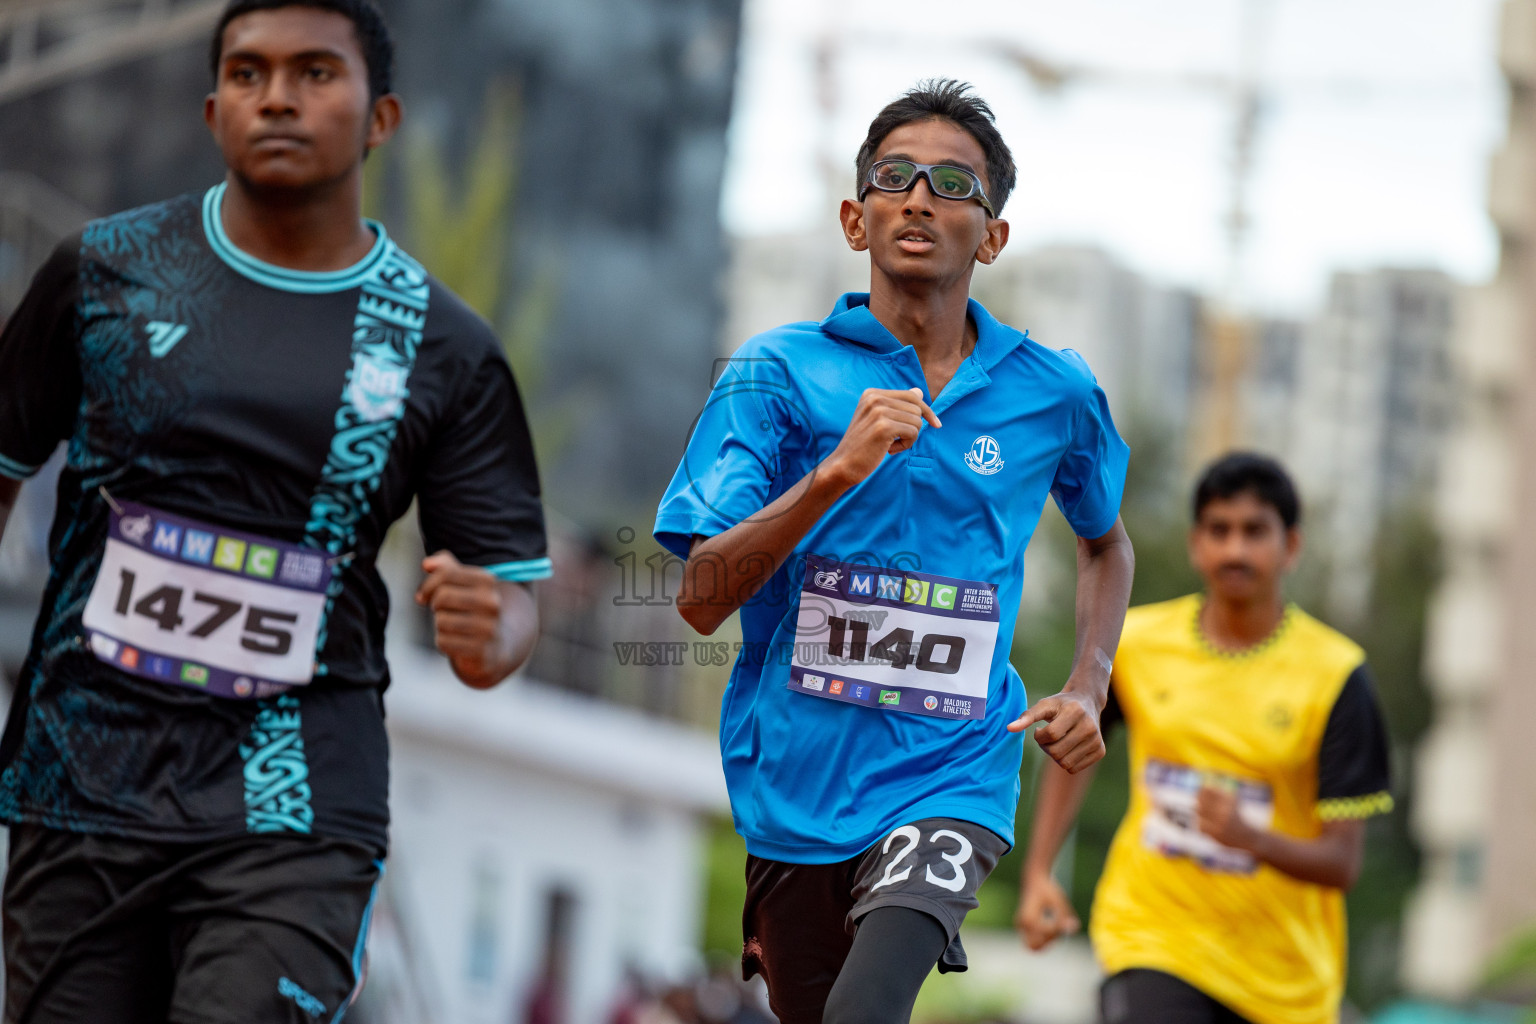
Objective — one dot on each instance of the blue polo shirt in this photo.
(814, 780)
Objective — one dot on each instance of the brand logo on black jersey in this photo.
(163, 336)
(376, 387)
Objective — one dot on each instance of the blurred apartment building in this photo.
(1369, 405)
(549, 835)
(1476, 766)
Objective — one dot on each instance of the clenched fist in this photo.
(884, 423)
(474, 621)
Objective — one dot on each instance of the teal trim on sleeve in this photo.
(15, 470)
(522, 572)
(300, 282)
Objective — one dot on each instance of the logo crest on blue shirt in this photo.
(985, 456)
(376, 387)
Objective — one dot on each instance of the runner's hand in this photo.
(1045, 914)
(884, 423)
(466, 608)
(1071, 730)
(1216, 815)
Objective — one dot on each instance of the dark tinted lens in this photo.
(952, 182)
(893, 175)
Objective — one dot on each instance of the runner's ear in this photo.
(851, 213)
(993, 242)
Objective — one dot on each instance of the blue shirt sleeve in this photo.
(728, 470)
(1090, 478)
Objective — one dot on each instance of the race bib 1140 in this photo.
(894, 639)
(183, 602)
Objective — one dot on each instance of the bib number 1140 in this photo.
(263, 627)
(849, 638)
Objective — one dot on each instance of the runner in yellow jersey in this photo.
(1257, 750)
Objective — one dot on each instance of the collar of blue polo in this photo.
(304, 282)
(852, 321)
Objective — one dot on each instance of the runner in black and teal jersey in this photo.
(253, 383)
(871, 727)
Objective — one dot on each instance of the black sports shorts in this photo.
(249, 930)
(1143, 996)
(799, 919)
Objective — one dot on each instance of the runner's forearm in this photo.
(724, 571)
(1056, 805)
(1105, 567)
(8, 490)
(1332, 859)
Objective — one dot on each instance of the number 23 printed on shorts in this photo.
(908, 841)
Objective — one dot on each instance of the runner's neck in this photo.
(1235, 628)
(936, 324)
(320, 230)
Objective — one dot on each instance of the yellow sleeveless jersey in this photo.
(1293, 727)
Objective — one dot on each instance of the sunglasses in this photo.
(944, 180)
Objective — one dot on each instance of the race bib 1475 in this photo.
(895, 639)
(182, 602)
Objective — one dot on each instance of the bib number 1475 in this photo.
(262, 628)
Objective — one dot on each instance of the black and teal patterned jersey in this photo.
(311, 408)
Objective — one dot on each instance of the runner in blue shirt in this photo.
(871, 731)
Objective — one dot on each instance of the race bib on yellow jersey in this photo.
(894, 639)
(1170, 826)
(182, 602)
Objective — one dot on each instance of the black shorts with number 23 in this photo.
(799, 919)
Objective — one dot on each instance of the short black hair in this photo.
(949, 100)
(372, 35)
(1249, 473)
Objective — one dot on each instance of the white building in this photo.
(538, 838)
